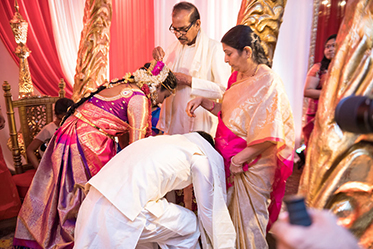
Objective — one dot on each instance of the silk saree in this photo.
(255, 110)
(76, 152)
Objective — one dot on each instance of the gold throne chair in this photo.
(34, 113)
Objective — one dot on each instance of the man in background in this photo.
(198, 64)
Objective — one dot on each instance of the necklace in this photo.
(241, 76)
(256, 70)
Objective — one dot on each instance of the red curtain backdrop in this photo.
(43, 61)
(132, 40)
(132, 36)
(331, 13)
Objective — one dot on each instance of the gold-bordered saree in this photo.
(76, 152)
(255, 110)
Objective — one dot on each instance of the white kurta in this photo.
(204, 61)
(137, 178)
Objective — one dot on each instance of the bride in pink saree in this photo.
(255, 136)
(83, 144)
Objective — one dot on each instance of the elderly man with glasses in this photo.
(198, 64)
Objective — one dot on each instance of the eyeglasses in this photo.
(181, 31)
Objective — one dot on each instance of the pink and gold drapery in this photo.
(44, 65)
(331, 13)
(131, 43)
(132, 36)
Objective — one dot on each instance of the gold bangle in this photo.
(236, 165)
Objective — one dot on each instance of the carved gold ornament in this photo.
(339, 166)
(264, 17)
(93, 55)
(19, 27)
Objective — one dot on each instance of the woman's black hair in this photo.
(61, 105)
(241, 36)
(170, 81)
(208, 137)
(325, 61)
(80, 102)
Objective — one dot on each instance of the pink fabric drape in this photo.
(9, 198)
(44, 65)
(132, 36)
(132, 40)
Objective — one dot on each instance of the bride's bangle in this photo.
(234, 164)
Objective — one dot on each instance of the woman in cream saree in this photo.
(255, 136)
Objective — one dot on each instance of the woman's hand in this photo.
(192, 106)
(310, 90)
(248, 154)
(235, 168)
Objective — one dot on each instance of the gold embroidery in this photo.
(82, 118)
(138, 113)
(126, 93)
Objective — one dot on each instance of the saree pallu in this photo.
(257, 109)
(76, 152)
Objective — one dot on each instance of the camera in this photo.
(297, 210)
(355, 114)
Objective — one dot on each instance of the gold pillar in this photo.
(93, 55)
(338, 174)
(264, 17)
(315, 19)
(19, 27)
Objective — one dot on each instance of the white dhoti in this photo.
(101, 225)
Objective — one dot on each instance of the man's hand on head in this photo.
(158, 53)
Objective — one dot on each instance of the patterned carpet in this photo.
(6, 242)
(7, 228)
(6, 237)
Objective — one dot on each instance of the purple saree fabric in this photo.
(76, 152)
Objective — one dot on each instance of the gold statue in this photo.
(92, 63)
(338, 174)
(19, 27)
(264, 17)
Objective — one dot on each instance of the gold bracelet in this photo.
(235, 165)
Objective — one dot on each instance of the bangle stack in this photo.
(213, 106)
(234, 164)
